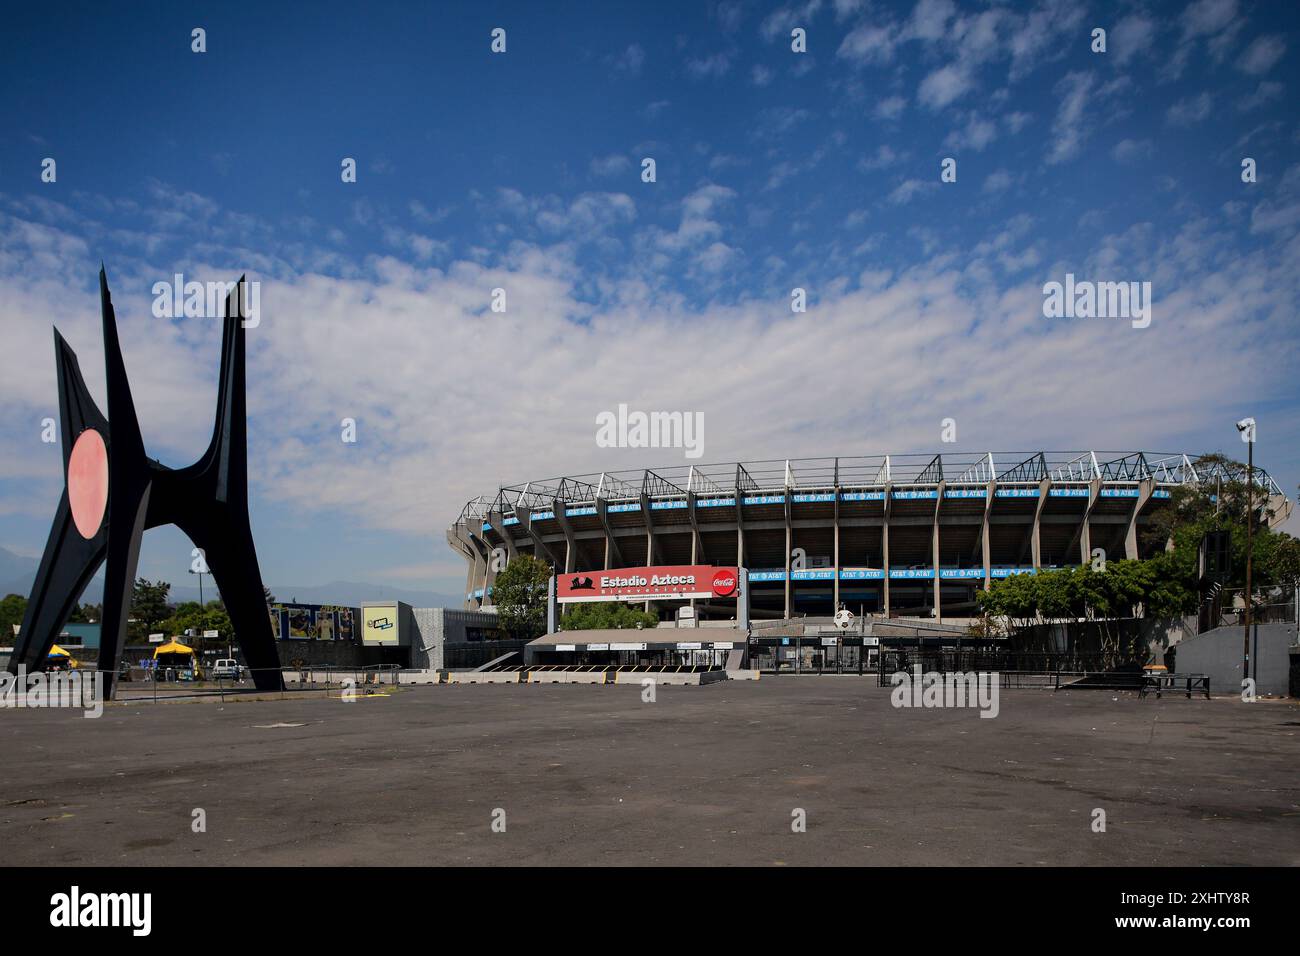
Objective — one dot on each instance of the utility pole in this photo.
(1247, 428)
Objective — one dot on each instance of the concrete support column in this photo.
(740, 529)
(570, 545)
(1145, 489)
(1036, 540)
(835, 556)
(613, 556)
(1085, 532)
(789, 544)
(934, 553)
(984, 537)
(884, 543)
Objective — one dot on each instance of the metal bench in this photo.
(1174, 682)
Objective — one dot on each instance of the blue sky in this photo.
(521, 171)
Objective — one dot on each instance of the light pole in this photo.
(200, 571)
(1247, 429)
(200, 574)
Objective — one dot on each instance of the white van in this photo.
(226, 668)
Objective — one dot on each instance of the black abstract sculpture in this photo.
(114, 492)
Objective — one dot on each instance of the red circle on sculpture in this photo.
(88, 482)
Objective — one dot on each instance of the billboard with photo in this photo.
(313, 622)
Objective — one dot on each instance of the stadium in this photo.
(894, 535)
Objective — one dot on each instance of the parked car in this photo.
(226, 668)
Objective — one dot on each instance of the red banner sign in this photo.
(639, 584)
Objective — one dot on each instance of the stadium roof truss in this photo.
(867, 471)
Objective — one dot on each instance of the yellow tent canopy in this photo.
(56, 651)
(172, 647)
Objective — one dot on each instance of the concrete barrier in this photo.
(483, 677)
(419, 677)
(663, 678)
(740, 674)
(565, 677)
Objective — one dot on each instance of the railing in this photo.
(1217, 610)
(1017, 670)
(176, 683)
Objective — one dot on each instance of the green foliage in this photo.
(1166, 584)
(600, 615)
(519, 594)
(1195, 510)
(199, 618)
(12, 609)
(86, 614)
(1163, 586)
(148, 608)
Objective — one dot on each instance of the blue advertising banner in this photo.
(313, 622)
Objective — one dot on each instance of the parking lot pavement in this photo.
(704, 775)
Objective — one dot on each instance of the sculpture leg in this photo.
(67, 566)
(119, 582)
(233, 563)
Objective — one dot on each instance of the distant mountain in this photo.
(16, 573)
(341, 592)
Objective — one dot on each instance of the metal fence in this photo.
(169, 684)
(1218, 610)
(460, 656)
(1017, 669)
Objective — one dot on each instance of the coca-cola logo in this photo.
(724, 583)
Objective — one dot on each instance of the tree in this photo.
(520, 596)
(148, 607)
(12, 609)
(603, 615)
(191, 616)
(1194, 510)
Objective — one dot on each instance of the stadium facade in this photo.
(899, 535)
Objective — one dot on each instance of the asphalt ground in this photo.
(714, 775)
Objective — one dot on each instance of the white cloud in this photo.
(868, 44)
(1069, 129)
(1262, 54)
(629, 61)
(907, 190)
(1266, 92)
(944, 85)
(930, 19)
(975, 135)
(1131, 150)
(615, 164)
(884, 157)
(712, 66)
(780, 22)
(997, 181)
(1190, 110)
(1130, 37)
(388, 340)
(891, 107)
